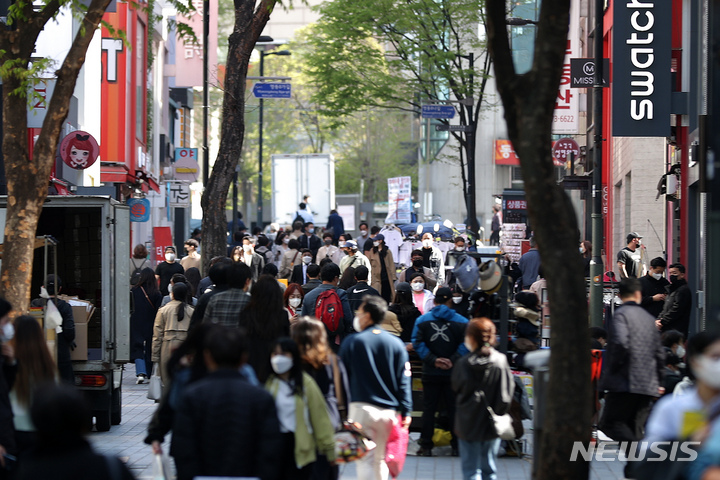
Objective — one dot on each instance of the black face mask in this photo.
(417, 263)
(673, 278)
(328, 241)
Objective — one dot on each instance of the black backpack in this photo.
(135, 276)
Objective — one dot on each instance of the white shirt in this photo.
(285, 405)
(671, 413)
(306, 216)
(248, 259)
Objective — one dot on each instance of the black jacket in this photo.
(312, 242)
(7, 427)
(634, 358)
(226, 427)
(67, 337)
(478, 382)
(651, 287)
(311, 285)
(676, 311)
(297, 275)
(406, 315)
(357, 292)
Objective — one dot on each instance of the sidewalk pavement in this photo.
(126, 442)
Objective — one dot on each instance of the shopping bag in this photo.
(158, 470)
(396, 448)
(441, 438)
(53, 319)
(351, 443)
(155, 387)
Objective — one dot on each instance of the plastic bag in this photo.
(53, 319)
(159, 472)
(155, 387)
(441, 438)
(396, 448)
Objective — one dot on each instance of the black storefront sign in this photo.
(641, 68)
(582, 72)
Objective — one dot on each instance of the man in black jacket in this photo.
(675, 314)
(310, 241)
(360, 289)
(653, 287)
(633, 368)
(225, 426)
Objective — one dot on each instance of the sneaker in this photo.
(424, 452)
(140, 379)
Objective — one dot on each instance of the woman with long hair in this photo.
(302, 412)
(35, 367)
(482, 380)
(293, 298)
(281, 246)
(193, 277)
(145, 299)
(422, 297)
(171, 328)
(265, 320)
(406, 311)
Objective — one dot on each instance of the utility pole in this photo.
(596, 263)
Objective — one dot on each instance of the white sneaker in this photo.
(140, 379)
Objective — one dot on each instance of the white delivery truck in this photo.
(295, 176)
(92, 237)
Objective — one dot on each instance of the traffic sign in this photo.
(453, 128)
(582, 72)
(562, 150)
(444, 112)
(272, 90)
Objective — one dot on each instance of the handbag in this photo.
(396, 448)
(155, 387)
(503, 425)
(351, 443)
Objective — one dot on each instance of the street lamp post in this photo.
(206, 38)
(263, 54)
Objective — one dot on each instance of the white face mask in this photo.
(7, 333)
(294, 302)
(417, 286)
(680, 351)
(460, 248)
(427, 243)
(469, 347)
(356, 324)
(286, 240)
(582, 250)
(363, 233)
(307, 260)
(281, 364)
(247, 248)
(311, 230)
(657, 276)
(708, 371)
(376, 244)
(457, 300)
(170, 257)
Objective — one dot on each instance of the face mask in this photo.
(582, 250)
(328, 241)
(680, 351)
(657, 276)
(236, 258)
(286, 240)
(708, 371)
(356, 324)
(417, 263)
(311, 230)
(170, 257)
(673, 278)
(247, 248)
(307, 260)
(468, 346)
(457, 300)
(418, 286)
(363, 233)
(294, 302)
(427, 243)
(281, 364)
(459, 249)
(376, 244)
(7, 333)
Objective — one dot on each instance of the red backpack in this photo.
(329, 310)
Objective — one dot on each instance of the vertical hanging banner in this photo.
(641, 68)
(566, 117)
(163, 238)
(399, 201)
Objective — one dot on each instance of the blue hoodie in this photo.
(440, 333)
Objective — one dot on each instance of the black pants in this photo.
(433, 391)
(287, 457)
(624, 417)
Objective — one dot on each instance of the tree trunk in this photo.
(248, 26)
(529, 102)
(27, 179)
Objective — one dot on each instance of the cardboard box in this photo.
(81, 342)
(82, 309)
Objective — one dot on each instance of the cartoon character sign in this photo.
(79, 150)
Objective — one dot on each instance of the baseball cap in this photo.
(379, 237)
(633, 235)
(351, 244)
(442, 295)
(403, 287)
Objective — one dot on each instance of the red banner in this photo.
(505, 154)
(163, 238)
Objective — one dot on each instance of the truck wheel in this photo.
(102, 420)
(116, 406)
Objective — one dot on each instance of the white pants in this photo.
(377, 423)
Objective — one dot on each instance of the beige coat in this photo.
(289, 260)
(168, 334)
(376, 271)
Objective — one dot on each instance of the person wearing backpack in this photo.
(138, 261)
(330, 305)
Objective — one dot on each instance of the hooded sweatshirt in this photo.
(440, 333)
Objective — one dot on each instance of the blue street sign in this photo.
(272, 90)
(438, 111)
